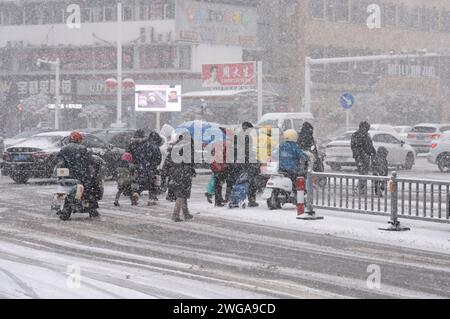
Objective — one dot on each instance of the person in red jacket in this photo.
(219, 168)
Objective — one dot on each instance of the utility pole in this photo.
(119, 64)
(57, 65)
(260, 90)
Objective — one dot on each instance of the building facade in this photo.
(164, 42)
(338, 28)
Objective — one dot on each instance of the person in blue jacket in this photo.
(290, 154)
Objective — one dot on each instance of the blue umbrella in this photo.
(203, 131)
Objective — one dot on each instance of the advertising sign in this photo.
(233, 74)
(216, 23)
(158, 98)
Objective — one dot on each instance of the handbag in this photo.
(211, 187)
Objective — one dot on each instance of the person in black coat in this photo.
(308, 144)
(249, 165)
(363, 152)
(146, 157)
(82, 166)
(179, 167)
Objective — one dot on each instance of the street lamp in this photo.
(57, 65)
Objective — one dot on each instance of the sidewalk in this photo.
(423, 235)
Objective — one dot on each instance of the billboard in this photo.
(231, 74)
(216, 23)
(158, 98)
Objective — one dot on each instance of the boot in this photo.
(184, 207)
(208, 198)
(116, 201)
(134, 199)
(177, 209)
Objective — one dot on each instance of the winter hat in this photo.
(127, 157)
(364, 126)
(139, 134)
(247, 125)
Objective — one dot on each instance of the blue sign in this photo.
(347, 101)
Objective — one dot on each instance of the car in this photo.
(403, 131)
(385, 128)
(24, 135)
(422, 136)
(339, 153)
(285, 121)
(118, 137)
(440, 153)
(36, 157)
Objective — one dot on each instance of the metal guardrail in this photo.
(388, 196)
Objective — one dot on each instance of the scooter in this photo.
(279, 188)
(70, 196)
(279, 191)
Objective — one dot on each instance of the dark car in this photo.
(36, 157)
(117, 137)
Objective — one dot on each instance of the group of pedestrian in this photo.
(367, 158)
(138, 170)
(233, 172)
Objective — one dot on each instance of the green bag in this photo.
(211, 187)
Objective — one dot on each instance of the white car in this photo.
(339, 153)
(440, 153)
(387, 128)
(423, 135)
(403, 131)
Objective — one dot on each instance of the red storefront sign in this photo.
(226, 75)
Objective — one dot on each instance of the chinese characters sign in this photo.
(226, 75)
(28, 88)
(216, 23)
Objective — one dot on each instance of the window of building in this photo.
(110, 14)
(156, 11)
(127, 13)
(98, 15)
(445, 21)
(434, 20)
(30, 14)
(338, 10)
(86, 15)
(185, 57)
(317, 9)
(169, 9)
(390, 15)
(341, 12)
(425, 19)
(47, 15)
(58, 14)
(359, 11)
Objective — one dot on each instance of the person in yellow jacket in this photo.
(265, 144)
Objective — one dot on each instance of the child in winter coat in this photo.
(380, 168)
(127, 175)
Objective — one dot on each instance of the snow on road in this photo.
(223, 253)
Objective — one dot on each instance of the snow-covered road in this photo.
(140, 253)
